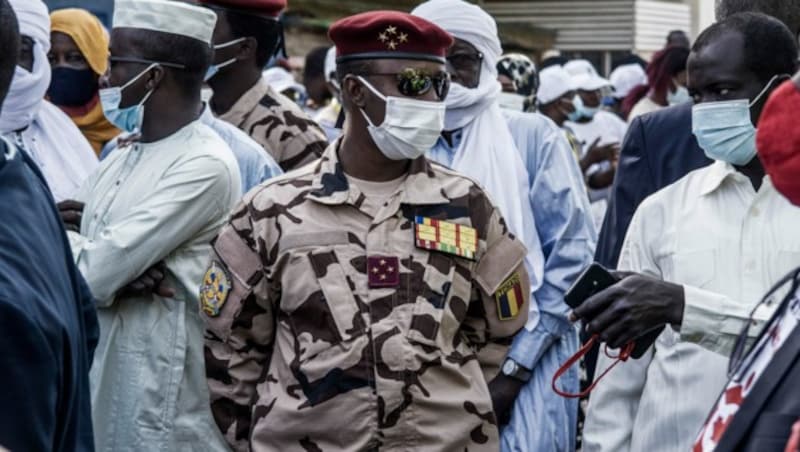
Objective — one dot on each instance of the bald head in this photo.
(9, 47)
(787, 11)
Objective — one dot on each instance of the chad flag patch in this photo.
(446, 237)
(509, 298)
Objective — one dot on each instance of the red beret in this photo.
(266, 8)
(778, 140)
(388, 34)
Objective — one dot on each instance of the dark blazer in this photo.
(658, 150)
(48, 323)
(765, 418)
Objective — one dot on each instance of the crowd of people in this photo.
(201, 252)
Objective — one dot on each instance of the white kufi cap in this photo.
(585, 76)
(554, 82)
(627, 77)
(166, 16)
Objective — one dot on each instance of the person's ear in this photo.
(355, 91)
(247, 49)
(155, 77)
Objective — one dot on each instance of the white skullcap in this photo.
(330, 65)
(554, 82)
(34, 21)
(585, 76)
(280, 80)
(627, 77)
(166, 16)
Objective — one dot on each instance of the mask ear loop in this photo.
(133, 80)
(767, 87)
(374, 91)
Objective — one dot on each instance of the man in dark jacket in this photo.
(48, 326)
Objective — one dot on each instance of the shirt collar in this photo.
(330, 185)
(206, 117)
(716, 175)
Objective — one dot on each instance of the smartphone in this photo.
(596, 279)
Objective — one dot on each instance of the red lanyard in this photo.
(624, 354)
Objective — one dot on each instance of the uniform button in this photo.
(750, 265)
(756, 212)
(118, 182)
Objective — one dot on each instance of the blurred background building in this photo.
(598, 30)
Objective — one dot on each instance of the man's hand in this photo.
(597, 153)
(71, 213)
(151, 281)
(504, 391)
(634, 306)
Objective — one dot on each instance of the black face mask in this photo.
(72, 87)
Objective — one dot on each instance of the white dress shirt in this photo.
(147, 203)
(726, 244)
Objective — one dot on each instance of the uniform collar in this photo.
(330, 185)
(247, 103)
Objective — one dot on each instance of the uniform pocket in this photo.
(324, 311)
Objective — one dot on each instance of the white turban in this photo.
(28, 89)
(487, 152)
(49, 137)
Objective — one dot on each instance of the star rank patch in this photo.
(509, 298)
(215, 289)
(446, 237)
(384, 271)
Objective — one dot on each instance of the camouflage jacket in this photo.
(313, 343)
(278, 125)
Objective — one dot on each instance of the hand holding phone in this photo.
(594, 280)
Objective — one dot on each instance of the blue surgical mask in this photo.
(215, 68)
(679, 96)
(577, 102)
(724, 129)
(127, 119)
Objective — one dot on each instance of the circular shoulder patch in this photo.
(215, 289)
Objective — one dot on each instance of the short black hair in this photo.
(769, 47)
(315, 63)
(9, 47)
(786, 11)
(193, 54)
(267, 32)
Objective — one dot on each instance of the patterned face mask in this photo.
(522, 71)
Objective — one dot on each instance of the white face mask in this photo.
(511, 101)
(410, 127)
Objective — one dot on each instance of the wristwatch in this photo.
(512, 369)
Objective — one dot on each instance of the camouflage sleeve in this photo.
(502, 294)
(239, 327)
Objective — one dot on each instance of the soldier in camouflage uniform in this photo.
(363, 303)
(246, 37)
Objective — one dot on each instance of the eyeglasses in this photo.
(465, 60)
(114, 59)
(415, 82)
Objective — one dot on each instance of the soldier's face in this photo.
(388, 78)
